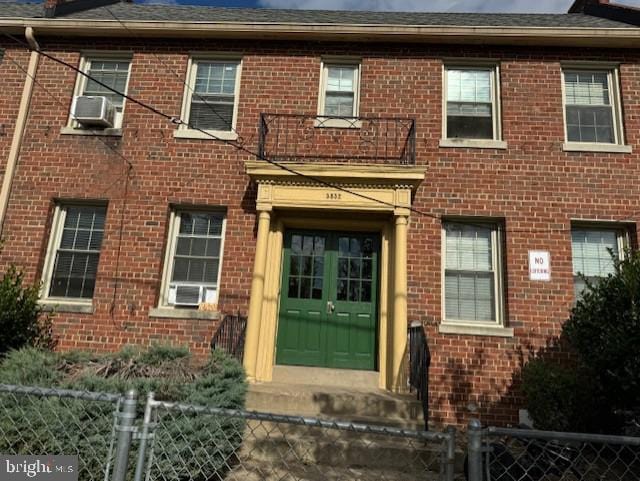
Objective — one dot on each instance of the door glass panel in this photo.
(355, 269)
(306, 270)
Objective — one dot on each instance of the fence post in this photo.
(144, 436)
(475, 451)
(125, 428)
(451, 454)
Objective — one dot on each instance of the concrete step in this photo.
(318, 376)
(273, 444)
(370, 406)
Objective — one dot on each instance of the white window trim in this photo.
(57, 227)
(462, 326)
(323, 120)
(496, 109)
(613, 77)
(184, 131)
(73, 127)
(167, 271)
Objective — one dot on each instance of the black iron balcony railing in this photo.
(312, 138)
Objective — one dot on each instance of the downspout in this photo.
(21, 122)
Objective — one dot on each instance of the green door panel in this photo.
(328, 302)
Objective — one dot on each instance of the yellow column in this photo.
(399, 300)
(257, 296)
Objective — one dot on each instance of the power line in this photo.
(178, 121)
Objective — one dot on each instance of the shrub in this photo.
(194, 446)
(22, 322)
(603, 335)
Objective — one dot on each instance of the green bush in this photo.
(603, 335)
(22, 322)
(188, 445)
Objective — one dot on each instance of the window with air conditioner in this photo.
(194, 255)
(95, 106)
(72, 259)
(211, 99)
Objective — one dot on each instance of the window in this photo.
(472, 273)
(592, 249)
(74, 252)
(591, 107)
(192, 271)
(211, 98)
(339, 90)
(471, 103)
(110, 71)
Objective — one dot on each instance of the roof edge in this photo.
(624, 37)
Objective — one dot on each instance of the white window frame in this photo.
(183, 130)
(81, 82)
(496, 108)
(466, 326)
(325, 121)
(620, 230)
(613, 78)
(174, 229)
(55, 237)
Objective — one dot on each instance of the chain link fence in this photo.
(499, 454)
(35, 421)
(115, 440)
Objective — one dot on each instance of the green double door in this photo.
(328, 300)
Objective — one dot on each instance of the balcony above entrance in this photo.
(337, 140)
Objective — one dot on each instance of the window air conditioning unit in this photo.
(190, 294)
(94, 111)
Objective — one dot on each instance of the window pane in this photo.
(590, 124)
(587, 88)
(469, 127)
(77, 255)
(469, 85)
(339, 104)
(593, 250)
(341, 78)
(213, 98)
(112, 73)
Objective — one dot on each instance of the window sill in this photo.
(480, 330)
(98, 132)
(196, 134)
(49, 305)
(176, 313)
(588, 147)
(329, 123)
(474, 143)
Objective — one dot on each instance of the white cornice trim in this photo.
(577, 36)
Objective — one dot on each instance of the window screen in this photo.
(592, 255)
(469, 103)
(214, 95)
(470, 275)
(340, 90)
(196, 258)
(589, 107)
(78, 252)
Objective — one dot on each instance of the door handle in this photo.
(330, 307)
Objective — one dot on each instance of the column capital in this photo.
(401, 212)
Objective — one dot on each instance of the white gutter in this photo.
(21, 121)
(577, 36)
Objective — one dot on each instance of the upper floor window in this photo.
(592, 108)
(339, 90)
(194, 252)
(74, 251)
(471, 107)
(211, 97)
(472, 273)
(113, 72)
(594, 249)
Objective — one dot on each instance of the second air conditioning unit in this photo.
(94, 111)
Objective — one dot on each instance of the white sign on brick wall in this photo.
(539, 266)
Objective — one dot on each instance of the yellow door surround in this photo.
(286, 199)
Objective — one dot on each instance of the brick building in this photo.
(425, 156)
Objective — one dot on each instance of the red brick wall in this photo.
(12, 83)
(533, 187)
